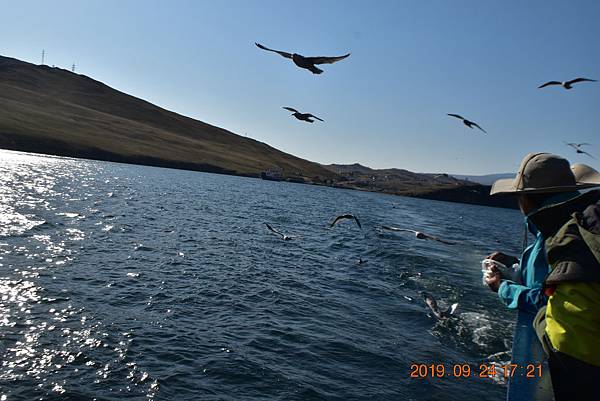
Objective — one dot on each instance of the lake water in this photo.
(131, 282)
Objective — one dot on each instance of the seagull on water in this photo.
(346, 217)
(468, 123)
(282, 235)
(305, 62)
(433, 306)
(566, 84)
(303, 116)
(418, 234)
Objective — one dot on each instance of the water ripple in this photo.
(123, 281)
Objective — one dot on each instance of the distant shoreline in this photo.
(63, 149)
(462, 195)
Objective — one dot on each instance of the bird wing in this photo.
(338, 219)
(313, 116)
(434, 238)
(326, 60)
(574, 81)
(273, 230)
(586, 153)
(398, 229)
(456, 115)
(345, 217)
(573, 145)
(433, 306)
(450, 311)
(583, 144)
(475, 124)
(291, 109)
(549, 83)
(281, 53)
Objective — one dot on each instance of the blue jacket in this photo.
(528, 296)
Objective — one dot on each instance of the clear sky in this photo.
(385, 106)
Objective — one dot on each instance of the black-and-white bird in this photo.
(468, 123)
(305, 62)
(282, 235)
(566, 84)
(577, 147)
(346, 217)
(418, 234)
(433, 306)
(303, 116)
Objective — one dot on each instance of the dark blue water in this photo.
(129, 282)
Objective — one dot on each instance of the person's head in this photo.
(530, 202)
(544, 175)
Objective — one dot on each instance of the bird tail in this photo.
(315, 70)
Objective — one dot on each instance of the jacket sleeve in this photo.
(517, 296)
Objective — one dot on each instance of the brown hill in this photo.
(54, 111)
(393, 180)
(407, 183)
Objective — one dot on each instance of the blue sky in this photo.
(385, 106)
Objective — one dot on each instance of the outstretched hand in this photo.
(494, 280)
(506, 260)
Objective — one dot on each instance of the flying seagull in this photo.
(346, 217)
(577, 147)
(283, 236)
(433, 306)
(305, 62)
(418, 234)
(302, 116)
(468, 123)
(566, 84)
(583, 152)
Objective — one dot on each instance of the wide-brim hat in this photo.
(547, 173)
(585, 174)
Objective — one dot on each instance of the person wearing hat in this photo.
(566, 224)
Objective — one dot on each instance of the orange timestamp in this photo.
(484, 370)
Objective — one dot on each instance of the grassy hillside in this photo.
(54, 111)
